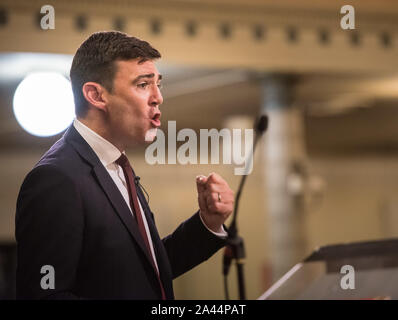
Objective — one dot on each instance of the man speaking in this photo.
(81, 213)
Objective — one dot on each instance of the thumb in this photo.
(201, 186)
(201, 183)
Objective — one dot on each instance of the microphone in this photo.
(262, 125)
(137, 180)
(138, 184)
(235, 247)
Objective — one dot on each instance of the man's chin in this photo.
(142, 141)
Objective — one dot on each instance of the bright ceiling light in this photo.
(43, 103)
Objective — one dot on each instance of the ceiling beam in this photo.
(255, 35)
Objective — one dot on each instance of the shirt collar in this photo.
(105, 151)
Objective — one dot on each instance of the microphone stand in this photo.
(235, 249)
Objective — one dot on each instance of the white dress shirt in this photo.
(108, 154)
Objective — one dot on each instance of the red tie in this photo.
(129, 175)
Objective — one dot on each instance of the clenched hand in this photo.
(216, 200)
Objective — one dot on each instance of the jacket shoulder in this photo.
(61, 158)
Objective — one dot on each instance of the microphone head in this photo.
(262, 124)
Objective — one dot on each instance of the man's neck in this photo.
(101, 129)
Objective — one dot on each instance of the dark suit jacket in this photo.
(70, 215)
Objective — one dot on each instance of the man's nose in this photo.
(157, 98)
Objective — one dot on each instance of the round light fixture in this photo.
(43, 103)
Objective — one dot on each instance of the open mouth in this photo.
(156, 120)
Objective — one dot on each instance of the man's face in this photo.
(133, 104)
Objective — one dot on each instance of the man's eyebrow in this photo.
(149, 75)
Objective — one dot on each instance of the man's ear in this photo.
(94, 93)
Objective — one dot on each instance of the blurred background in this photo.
(325, 172)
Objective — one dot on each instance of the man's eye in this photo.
(160, 86)
(143, 85)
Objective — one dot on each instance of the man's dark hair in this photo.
(95, 61)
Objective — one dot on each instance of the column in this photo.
(285, 172)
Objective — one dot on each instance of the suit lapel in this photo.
(120, 206)
(108, 185)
